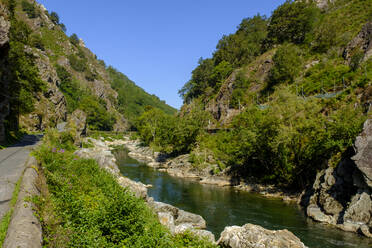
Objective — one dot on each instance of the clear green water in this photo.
(222, 207)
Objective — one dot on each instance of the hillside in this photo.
(47, 75)
(280, 98)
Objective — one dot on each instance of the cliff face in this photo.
(341, 196)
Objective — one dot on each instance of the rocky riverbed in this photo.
(178, 220)
(181, 167)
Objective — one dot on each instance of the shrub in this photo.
(74, 39)
(287, 65)
(37, 41)
(78, 64)
(54, 17)
(30, 9)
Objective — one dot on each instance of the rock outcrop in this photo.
(252, 236)
(220, 106)
(363, 158)
(51, 106)
(341, 196)
(361, 45)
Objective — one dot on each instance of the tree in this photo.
(30, 9)
(74, 39)
(63, 27)
(292, 21)
(54, 17)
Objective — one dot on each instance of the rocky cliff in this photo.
(341, 196)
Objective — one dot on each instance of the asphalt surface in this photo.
(12, 165)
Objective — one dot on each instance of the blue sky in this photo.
(156, 43)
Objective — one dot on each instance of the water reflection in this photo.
(222, 207)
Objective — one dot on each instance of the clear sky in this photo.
(156, 43)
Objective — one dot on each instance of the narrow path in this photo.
(12, 162)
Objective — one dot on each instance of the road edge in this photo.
(25, 230)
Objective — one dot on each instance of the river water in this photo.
(224, 206)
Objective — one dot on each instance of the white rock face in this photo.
(252, 236)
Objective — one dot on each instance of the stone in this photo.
(363, 157)
(163, 207)
(196, 220)
(139, 189)
(360, 209)
(316, 213)
(4, 31)
(167, 219)
(253, 236)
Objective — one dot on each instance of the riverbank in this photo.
(225, 206)
(340, 196)
(181, 167)
(179, 221)
(84, 202)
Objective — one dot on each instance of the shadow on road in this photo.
(28, 140)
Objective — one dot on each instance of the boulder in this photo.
(253, 236)
(195, 220)
(137, 188)
(363, 157)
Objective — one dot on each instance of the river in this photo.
(225, 206)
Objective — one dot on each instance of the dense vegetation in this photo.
(303, 112)
(22, 75)
(82, 205)
(132, 100)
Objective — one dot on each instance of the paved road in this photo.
(12, 163)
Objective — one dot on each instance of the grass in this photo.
(7, 217)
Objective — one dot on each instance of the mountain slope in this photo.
(281, 97)
(47, 75)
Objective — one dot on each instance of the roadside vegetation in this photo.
(82, 205)
(300, 104)
(5, 221)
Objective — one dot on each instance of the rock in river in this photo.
(252, 236)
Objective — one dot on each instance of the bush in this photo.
(169, 134)
(287, 65)
(78, 64)
(30, 9)
(37, 41)
(74, 39)
(54, 17)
